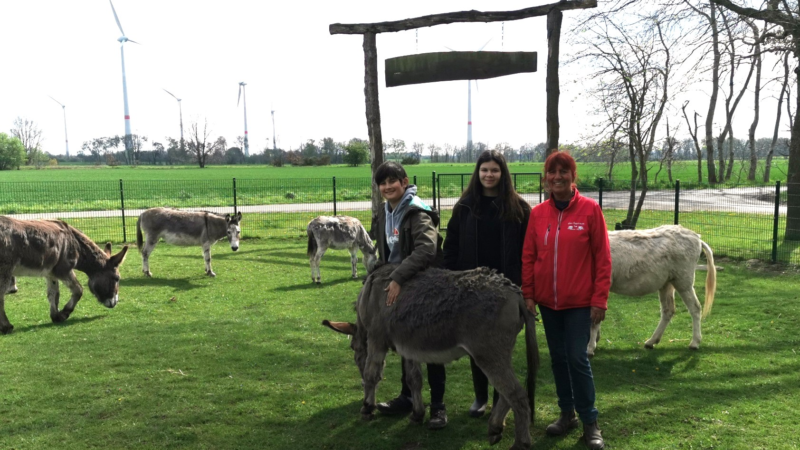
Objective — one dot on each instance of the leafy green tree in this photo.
(357, 152)
(12, 152)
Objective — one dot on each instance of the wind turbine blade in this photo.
(448, 48)
(484, 45)
(56, 101)
(240, 96)
(170, 93)
(476, 86)
(131, 40)
(115, 17)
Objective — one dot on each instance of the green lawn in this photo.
(682, 170)
(242, 362)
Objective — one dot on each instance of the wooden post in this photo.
(373, 113)
(553, 38)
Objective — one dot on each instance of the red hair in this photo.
(564, 160)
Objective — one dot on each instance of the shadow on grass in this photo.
(67, 323)
(309, 285)
(181, 284)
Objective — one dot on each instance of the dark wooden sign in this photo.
(449, 66)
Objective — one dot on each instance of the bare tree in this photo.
(198, 144)
(633, 67)
(781, 13)
(697, 149)
(30, 135)
(758, 36)
(784, 92)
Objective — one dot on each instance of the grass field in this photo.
(242, 362)
(682, 170)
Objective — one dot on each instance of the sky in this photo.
(314, 81)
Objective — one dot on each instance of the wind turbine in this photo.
(274, 145)
(64, 109)
(122, 40)
(469, 101)
(180, 111)
(242, 84)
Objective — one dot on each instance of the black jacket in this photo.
(461, 241)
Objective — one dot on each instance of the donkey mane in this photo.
(91, 256)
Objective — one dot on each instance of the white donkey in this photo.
(661, 259)
(338, 232)
(185, 228)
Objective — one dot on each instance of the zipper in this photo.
(547, 234)
(555, 259)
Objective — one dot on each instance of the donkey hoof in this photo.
(148, 274)
(318, 282)
(60, 317)
(12, 290)
(694, 347)
(648, 346)
(211, 274)
(495, 438)
(6, 329)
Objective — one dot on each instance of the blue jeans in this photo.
(567, 333)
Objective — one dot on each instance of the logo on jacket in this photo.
(576, 226)
(395, 232)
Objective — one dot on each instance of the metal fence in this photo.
(739, 221)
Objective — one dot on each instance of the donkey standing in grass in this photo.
(53, 249)
(661, 259)
(185, 228)
(440, 316)
(338, 232)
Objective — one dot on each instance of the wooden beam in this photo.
(458, 17)
(551, 83)
(373, 113)
(449, 66)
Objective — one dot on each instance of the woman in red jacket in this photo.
(566, 270)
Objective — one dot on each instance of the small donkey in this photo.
(338, 232)
(185, 228)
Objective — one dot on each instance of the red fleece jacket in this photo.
(566, 259)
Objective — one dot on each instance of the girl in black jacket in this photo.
(487, 230)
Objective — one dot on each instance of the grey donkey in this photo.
(438, 317)
(185, 228)
(338, 232)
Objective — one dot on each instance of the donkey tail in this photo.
(139, 237)
(312, 244)
(532, 356)
(711, 280)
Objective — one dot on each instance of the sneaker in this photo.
(399, 405)
(438, 419)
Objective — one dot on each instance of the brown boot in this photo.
(566, 421)
(592, 436)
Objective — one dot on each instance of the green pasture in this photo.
(242, 362)
(682, 170)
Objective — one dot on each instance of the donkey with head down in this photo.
(338, 232)
(53, 249)
(440, 316)
(185, 228)
(662, 260)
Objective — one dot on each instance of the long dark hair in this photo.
(510, 203)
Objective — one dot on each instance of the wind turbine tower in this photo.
(243, 96)
(180, 111)
(122, 40)
(469, 104)
(274, 144)
(64, 109)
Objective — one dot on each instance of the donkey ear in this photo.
(117, 259)
(228, 218)
(341, 327)
(108, 249)
(238, 217)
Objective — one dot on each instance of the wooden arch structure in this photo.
(554, 14)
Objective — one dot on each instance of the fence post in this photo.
(122, 202)
(515, 183)
(234, 197)
(334, 196)
(540, 188)
(775, 221)
(433, 188)
(677, 200)
(415, 180)
(600, 197)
